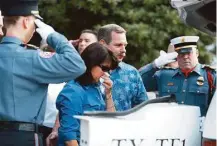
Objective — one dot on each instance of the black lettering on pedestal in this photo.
(133, 142)
(173, 141)
(119, 141)
(162, 141)
(183, 142)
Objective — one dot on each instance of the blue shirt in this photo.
(128, 89)
(74, 99)
(25, 75)
(188, 90)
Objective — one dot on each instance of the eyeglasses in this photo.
(105, 68)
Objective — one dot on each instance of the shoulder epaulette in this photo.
(205, 66)
(32, 47)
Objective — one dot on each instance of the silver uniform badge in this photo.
(200, 81)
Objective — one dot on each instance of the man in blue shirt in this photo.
(192, 83)
(25, 73)
(128, 89)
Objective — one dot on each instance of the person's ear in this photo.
(102, 42)
(197, 52)
(25, 22)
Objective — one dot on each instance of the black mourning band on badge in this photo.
(184, 44)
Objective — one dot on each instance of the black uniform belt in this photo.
(17, 126)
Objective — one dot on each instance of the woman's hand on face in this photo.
(107, 83)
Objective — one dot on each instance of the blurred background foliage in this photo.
(150, 24)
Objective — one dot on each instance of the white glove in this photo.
(43, 29)
(165, 58)
(43, 43)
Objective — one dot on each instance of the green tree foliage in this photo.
(150, 24)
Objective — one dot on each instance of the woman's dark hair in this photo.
(94, 55)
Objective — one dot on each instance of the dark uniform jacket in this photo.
(191, 90)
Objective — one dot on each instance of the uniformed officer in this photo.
(171, 65)
(25, 73)
(192, 83)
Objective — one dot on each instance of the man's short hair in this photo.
(89, 31)
(105, 31)
(10, 20)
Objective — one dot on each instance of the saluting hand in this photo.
(43, 29)
(74, 42)
(165, 58)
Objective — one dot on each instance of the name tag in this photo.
(170, 84)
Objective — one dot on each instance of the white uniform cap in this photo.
(170, 48)
(184, 41)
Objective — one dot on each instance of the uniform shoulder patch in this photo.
(46, 54)
(32, 47)
(208, 67)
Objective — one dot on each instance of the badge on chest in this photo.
(200, 81)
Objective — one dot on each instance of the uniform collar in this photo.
(196, 70)
(9, 39)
